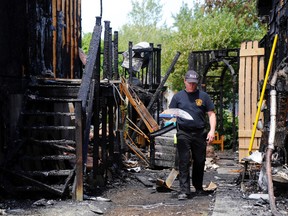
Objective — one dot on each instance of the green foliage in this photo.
(143, 25)
(228, 128)
(216, 29)
(145, 13)
(86, 42)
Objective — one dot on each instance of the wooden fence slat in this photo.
(241, 87)
(247, 90)
(254, 83)
(251, 71)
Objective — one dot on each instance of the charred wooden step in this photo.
(39, 113)
(36, 98)
(60, 142)
(61, 145)
(45, 117)
(51, 157)
(47, 173)
(55, 90)
(49, 127)
(57, 81)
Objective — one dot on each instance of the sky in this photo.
(116, 11)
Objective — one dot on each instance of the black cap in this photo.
(192, 76)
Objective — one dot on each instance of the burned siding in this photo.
(55, 35)
(38, 38)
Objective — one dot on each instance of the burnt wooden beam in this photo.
(160, 87)
(50, 157)
(104, 133)
(116, 54)
(138, 105)
(158, 64)
(111, 137)
(88, 123)
(46, 173)
(47, 113)
(106, 54)
(89, 67)
(150, 68)
(110, 59)
(78, 189)
(62, 141)
(49, 127)
(59, 42)
(96, 116)
(130, 70)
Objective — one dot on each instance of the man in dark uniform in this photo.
(192, 135)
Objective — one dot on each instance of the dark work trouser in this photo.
(193, 142)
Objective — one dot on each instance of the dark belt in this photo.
(190, 129)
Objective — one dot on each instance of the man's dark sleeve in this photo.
(210, 104)
(173, 103)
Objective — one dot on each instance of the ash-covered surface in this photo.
(135, 192)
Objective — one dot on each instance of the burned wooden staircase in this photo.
(43, 157)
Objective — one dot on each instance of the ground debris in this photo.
(43, 202)
(100, 199)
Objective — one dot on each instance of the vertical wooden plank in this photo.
(67, 25)
(64, 2)
(54, 23)
(247, 93)
(261, 77)
(241, 88)
(76, 45)
(72, 11)
(254, 92)
(78, 196)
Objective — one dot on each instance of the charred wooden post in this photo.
(96, 117)
(115, 56)
(130, 70)
(106, 54)
(111, 137)
(110, 58)
(60, 26)
(158, 64)
(78, 192)
(158, 79)
(86, 91)
(87, 122)
(150, 68)
(103, 139)
(161, 85)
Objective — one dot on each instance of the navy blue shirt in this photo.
(197, 104)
